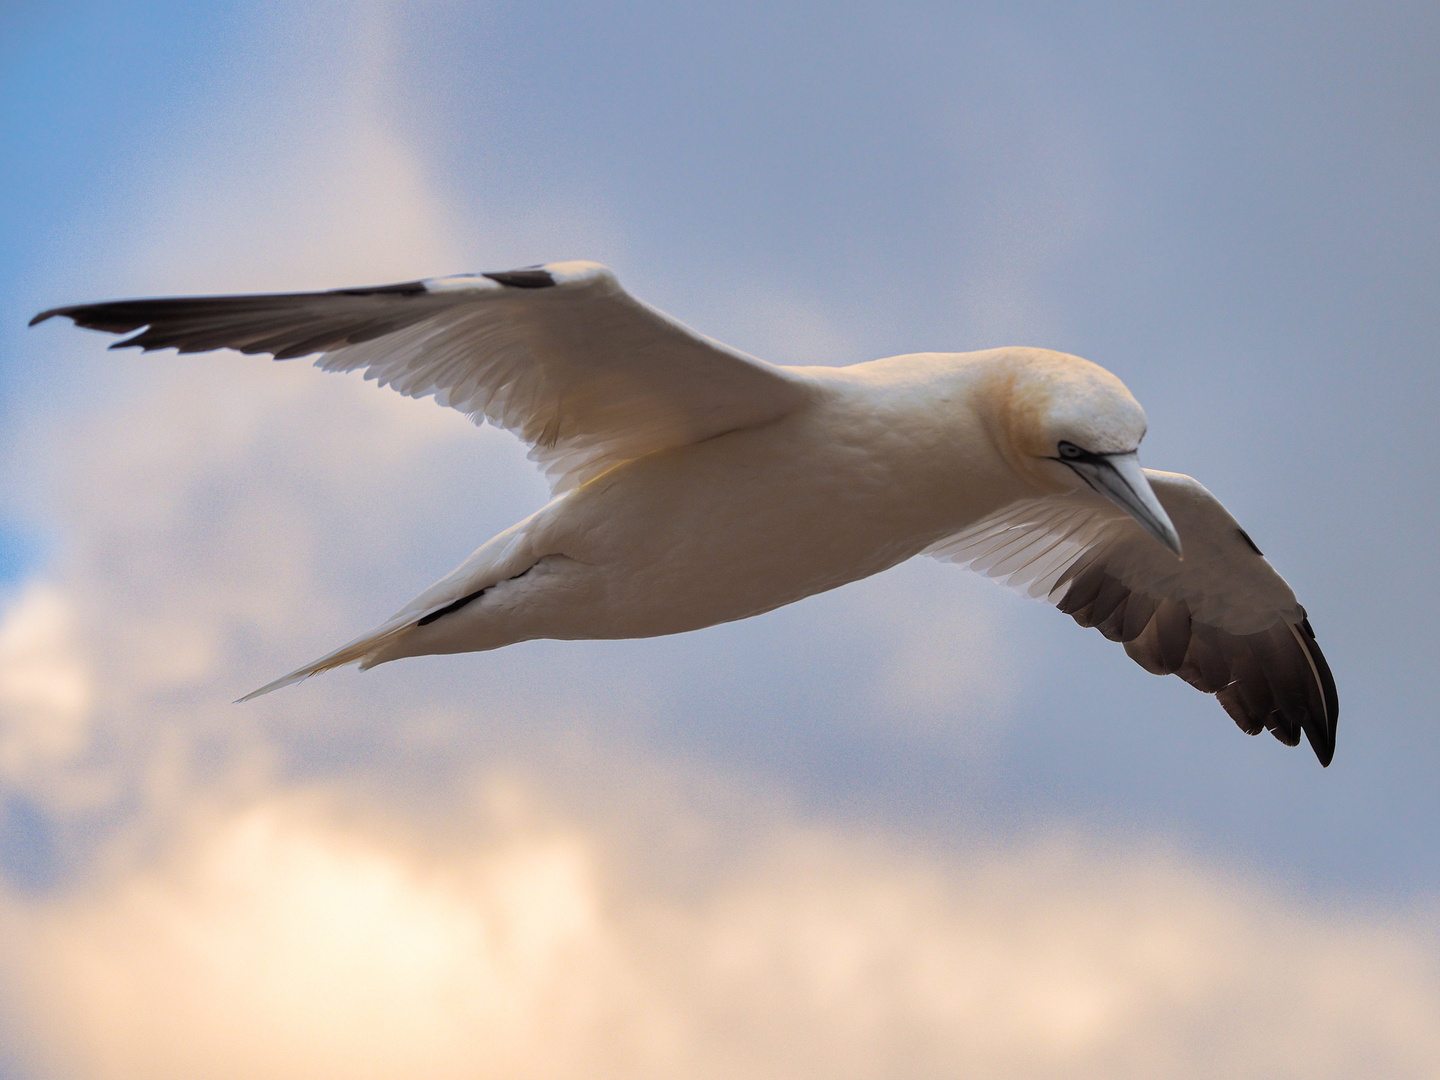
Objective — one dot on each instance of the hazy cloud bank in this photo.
(306, 935)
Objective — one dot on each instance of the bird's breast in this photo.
(758, 518)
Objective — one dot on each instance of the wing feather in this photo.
(1222, 619)
(561, 355)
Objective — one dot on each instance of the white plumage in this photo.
(695, 485)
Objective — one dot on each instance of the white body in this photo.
(887, 459)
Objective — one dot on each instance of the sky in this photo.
(916, 826)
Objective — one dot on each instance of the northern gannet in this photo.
(694, 484)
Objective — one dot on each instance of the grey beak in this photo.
(1120, 479)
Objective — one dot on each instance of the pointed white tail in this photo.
(359, 649)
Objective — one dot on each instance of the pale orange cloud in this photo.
(291, 938)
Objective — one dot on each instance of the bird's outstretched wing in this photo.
(559, 354)
(1221, 618)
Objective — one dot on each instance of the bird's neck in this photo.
(930, 456)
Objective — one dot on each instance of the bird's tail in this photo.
(364, 649)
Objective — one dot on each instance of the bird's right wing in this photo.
(559, 354)
(1221, 618)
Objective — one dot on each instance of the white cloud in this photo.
(45, 686)
(298, 937)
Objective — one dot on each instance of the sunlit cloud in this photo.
(300, 937)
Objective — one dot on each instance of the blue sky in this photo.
(1233, 209)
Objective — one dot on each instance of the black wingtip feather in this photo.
(522, 279)
(1276, 678)
(401, 288)
(1321, 735)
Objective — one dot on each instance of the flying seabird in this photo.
(695, 485)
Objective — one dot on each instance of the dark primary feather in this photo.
(532, 277)
(1276, 679)
(286, 325)
(1222, 619)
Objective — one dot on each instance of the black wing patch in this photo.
(450, 608)
(529, 278)
(285, 325)
(403, 288)
(1276, 679)
(456, 605)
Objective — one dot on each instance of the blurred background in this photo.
(915, 827)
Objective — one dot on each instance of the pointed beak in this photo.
(1120, 479)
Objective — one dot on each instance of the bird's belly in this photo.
(695, 537)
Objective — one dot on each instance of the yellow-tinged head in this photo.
(1063, 423)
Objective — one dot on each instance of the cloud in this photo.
(45, 688)
(301, 936)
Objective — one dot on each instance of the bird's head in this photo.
(1064, 423)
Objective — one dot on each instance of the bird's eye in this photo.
(1070, 451)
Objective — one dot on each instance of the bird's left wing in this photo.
(1221, 618)
(559, 354)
